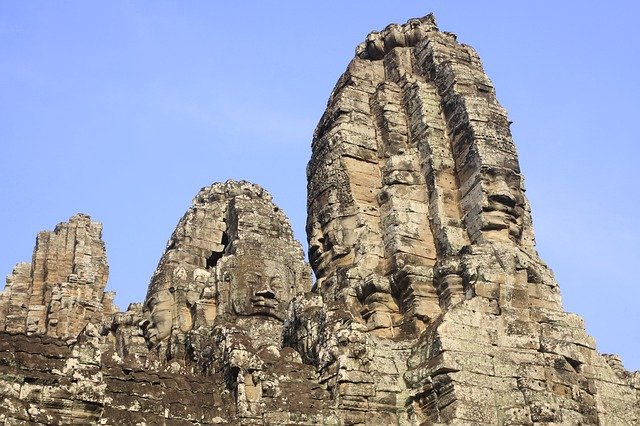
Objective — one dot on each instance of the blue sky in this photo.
(125, 109)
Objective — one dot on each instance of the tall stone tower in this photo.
(418, 224)
(62, 289)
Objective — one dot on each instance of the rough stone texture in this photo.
(418, 224)
(430, 306)
(205, 347)
(62, 289)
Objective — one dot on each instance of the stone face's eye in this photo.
(276, 282)
(253, 279)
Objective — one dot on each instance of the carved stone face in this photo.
(379, 309)
(331, 249)
(161, 314)
(319, 253)
(375, 45)
(415, 31)
(261, 286)
(393, 37)
(503, 207)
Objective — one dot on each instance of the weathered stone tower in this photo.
(430, 306)
(419, 226)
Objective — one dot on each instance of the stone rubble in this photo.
(430, 304)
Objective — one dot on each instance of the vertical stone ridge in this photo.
(14, 299)
(344, 196)
(410, 250)
(429, 131)
(62, 290)
(480, 136)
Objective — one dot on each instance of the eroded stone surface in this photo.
(431, 304)
(205, 347)
(419, 225)
(62, 289)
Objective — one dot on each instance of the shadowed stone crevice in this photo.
(212, 260)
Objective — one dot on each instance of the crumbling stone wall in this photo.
(46, 380)
(430, 305)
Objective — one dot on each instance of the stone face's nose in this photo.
(266, 293)
(501, 193)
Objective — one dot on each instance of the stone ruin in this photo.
(430, 303)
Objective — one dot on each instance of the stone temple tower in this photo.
(419, 226)
(430, 304)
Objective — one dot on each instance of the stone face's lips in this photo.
(497, 211)
(264, 302)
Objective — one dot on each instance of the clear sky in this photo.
(125, 109)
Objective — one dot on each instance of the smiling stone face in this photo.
(161, 315)
(503, 208)
(261, 286)
(231, 256)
